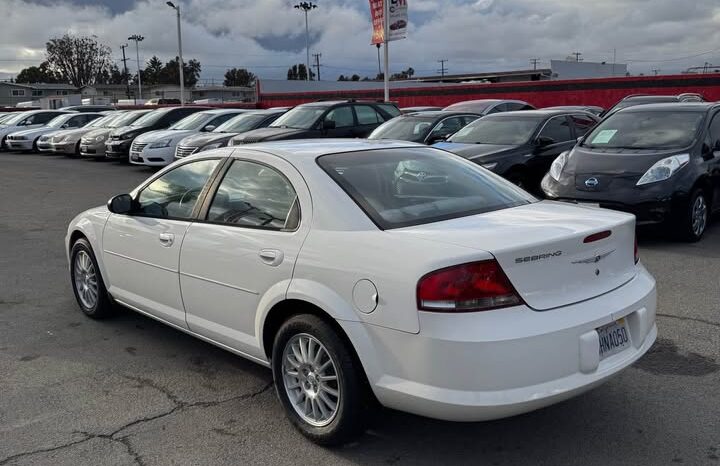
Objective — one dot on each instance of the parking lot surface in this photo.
(129, 390)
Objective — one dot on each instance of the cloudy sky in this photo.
(266, 36)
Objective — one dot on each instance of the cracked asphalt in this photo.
(131, 391)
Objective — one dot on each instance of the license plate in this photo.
(614, 338)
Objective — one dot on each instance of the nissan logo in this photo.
(592, 182)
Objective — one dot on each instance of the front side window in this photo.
(41, 118)
(557, 129)
(447, 127)
(409, 128)
(174, 194)
(255, 196)
(403, 187)
(583, 124)
(342, 116)
(646, 130)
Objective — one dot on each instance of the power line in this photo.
(442, 68)
(127, 76)
(534, 62)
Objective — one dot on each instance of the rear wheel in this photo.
(695, 218)
(87, 283)
(318, 381)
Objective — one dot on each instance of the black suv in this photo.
(120, 140)
(337, 119)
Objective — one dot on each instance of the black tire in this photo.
(350, 418)
(687, 229)
(35, 147)
(103, 305)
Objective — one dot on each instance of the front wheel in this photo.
(695, 217)
(318, 381)
(87, 283)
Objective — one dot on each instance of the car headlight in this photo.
(44, 138)
(212, 146)
(160, 144)
(99, 138)
(65, 139)
(664, 169)
(490, 166)
(231, 142)
(558, 164)
(128, 135)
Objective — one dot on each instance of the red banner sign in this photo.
(398, 14)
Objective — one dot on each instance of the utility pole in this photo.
(306, 7)
(181, 65)
(127, 76)
(534, 63)
(577, 56)
(378, 51)
(442, 68)
(138, 38)
(317, 63)
(655, 71)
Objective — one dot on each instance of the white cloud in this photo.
(474, 35)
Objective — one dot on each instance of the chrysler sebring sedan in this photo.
(457, 296)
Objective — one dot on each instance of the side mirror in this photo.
(66, 125)
(209, 128)
(543, 141)
(121, 204)
(328, 124)
(581, 139)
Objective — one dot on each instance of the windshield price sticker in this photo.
(604, 136)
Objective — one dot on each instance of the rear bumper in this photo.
(489, 365)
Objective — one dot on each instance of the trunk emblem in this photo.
(592, 182)
(594, 259)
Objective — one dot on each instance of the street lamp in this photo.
(138, 38)
(305, 7)
(180, 63)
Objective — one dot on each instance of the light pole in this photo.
(180, 64)
(138, 38)
(305, 7)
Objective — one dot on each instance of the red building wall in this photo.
(604, 92)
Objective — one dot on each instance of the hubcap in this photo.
(699, 215)
(85, 280)
(311, 380)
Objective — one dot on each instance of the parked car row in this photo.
(625, 160)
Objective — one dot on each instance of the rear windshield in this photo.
(646, 130)
(403, 128)
(497, 130)
(403, 187)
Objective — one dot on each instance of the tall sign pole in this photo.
(386, 37)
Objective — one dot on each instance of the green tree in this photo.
(171, 73)
(113, 75)
(355, 77)
(152, 74)
(39, 74)
(239, 77)
(81, 60)
(299, 73)
(342, 78)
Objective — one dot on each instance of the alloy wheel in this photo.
(85, 278)
(699, 215)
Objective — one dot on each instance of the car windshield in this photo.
(646, 130)
(192, 122)
(414, 128)
(403, 187)
(241, 123)
(59, 121)
(5, 117)
(299, 117)
(16, 118)
(127, 119)
(150, 118)
(504, 130)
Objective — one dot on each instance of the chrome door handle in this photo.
(271, 257)
(166, 239)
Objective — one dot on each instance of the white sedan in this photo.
(374, 270)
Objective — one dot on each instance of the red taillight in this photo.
(597, 236)
(637, 251)
(478, 286)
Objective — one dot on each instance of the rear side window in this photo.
(557, 129)
(367, 115)
(342, 116)
(403, 187)
(391, 110)
(583, 124)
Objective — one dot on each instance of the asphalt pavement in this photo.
(129, 390)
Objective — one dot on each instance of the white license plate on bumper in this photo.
(614, 338)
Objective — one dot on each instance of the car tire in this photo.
(694, 219)
(330, 359)
(35, 149)
(87, 283)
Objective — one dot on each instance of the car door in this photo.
(712, 158)
(367, 119)
(245, 250)
(558, 130)
(344, 120)
(141, 251)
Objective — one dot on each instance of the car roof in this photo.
(674, 106)
(543, 112)
(436, 113)
(214, 111)
(309, 149)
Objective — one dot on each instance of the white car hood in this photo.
(159, 135)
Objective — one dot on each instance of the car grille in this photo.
(184, 151)
(137, 147)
